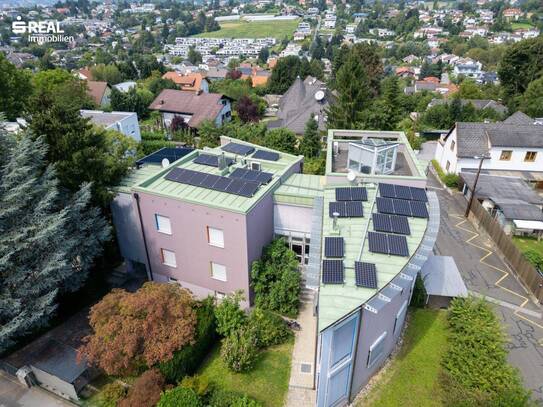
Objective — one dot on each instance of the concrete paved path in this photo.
(13, 394)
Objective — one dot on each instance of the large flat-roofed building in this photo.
(361, 236)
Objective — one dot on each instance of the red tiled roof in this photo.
(96, 90)
(201, 106)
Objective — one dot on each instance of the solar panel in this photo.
(209, 181)
(378, 242)
(249, 189)
(354, 209)
(343, 194)
(418, 209)
(237, 148)
(359, 194)
(266, 155)
(196, 178)
(402, 192)
(381, 222)
(264, 177)
(238, 173)
(252, 175)
(401, 207)
(399, 224)
(338, 207)
(222, 184)
(333, 246)
(384, 205)
(173, 174)
(332, 271)
(235, 186)
(397, 245)
(171, 153)
(387, 191)
(419, 194)
(365, 274)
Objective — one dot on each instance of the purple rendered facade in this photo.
(245, 235)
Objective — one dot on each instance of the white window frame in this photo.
(163, 253)
(402, 310)
(375, 344)
(213, 232)
(213, 265)
(163, 224)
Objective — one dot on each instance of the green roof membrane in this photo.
(300, 189)
(337, 300)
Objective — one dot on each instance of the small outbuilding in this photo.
(442, 281)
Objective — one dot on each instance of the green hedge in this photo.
(186, 361)
(147, 147)
(476, 360)
(449, 179)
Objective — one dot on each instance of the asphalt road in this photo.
(521, 318)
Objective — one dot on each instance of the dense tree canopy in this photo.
(15, 89)
(132, 330)
(48, 239)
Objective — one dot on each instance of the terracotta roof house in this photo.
(193, 107)
(301, 101)
(405, 72)
(85, 74)
(99, 92)
(192, 82)
(259, 77)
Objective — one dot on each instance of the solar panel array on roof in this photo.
(351, 194)
(172, 154)
(402, 207)
(251, 175)
(390, 223)
(346, 209)
(236, 148)
(365, 274)
(385, 243)
(332, 272)
(213, 182)
(333, 246)
(266, 155)
(402, 192)
(211, 160)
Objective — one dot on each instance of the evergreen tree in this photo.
(48, 241)
(354, 93)
(310, 146)
(392, 103)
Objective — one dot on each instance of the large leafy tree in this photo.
(81, 152)
(281, 139)
(48, 240)
(354, 91)
(531, 102)
(310, 146)
(66, 88)
(521, 64)
(275, 279)
(133, 330)
(247, 110)
(15, 89)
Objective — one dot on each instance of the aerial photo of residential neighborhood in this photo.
(267, 203)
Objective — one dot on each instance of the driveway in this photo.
(13, 394)
(485, 274)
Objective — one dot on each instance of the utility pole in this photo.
(483, 157)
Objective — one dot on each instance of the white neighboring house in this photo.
(514, 145)
(123, 122)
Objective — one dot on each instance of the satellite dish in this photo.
(351, 176)
(319, 95)
(165, 162)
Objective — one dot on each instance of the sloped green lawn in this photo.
(267, 382)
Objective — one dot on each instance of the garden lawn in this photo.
(267, 382)
(528, 243)
(516, 26)
(412, 377)
(254, 29)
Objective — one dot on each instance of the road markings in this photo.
(505, 274)
(507, 304)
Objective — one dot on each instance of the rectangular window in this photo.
(218, 271)
(506, 155)
(452, 145)
(215, 237)
(377, 350)
(400, 317)
(168, 258)
(530, 156)
(172, 280)
(163, 224)
(448, 166)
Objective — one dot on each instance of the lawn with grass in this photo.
(267, 382)
(412, 377)
(254, 29)
(517, 25)
(525, 243)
